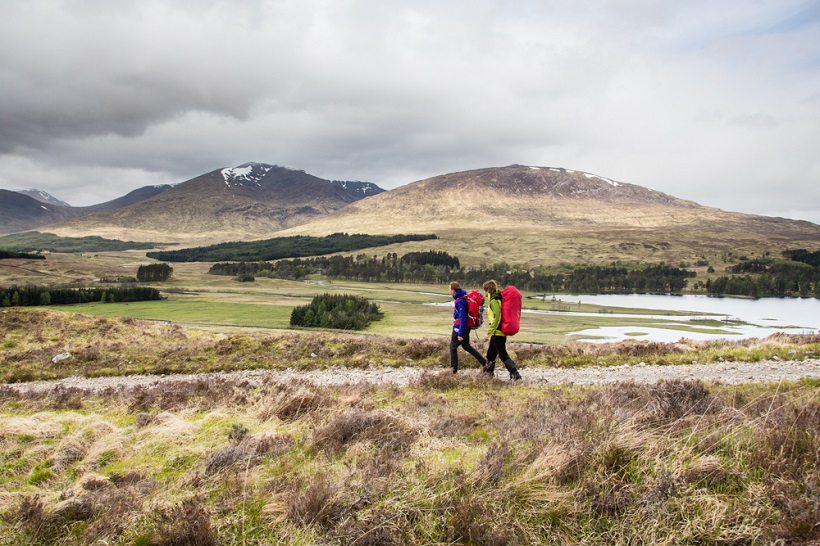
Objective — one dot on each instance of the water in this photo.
(761, 317)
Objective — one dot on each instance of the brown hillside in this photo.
(251, 201)
(548, 215)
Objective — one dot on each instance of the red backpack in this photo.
(475, 309)
(510, 311)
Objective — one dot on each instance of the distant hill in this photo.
(252, 200)
(245, 201)
(38, 208)
(357, 189)
(44, 197)
(553, 215)
(19, 212)
(131, 198)
(519, 214)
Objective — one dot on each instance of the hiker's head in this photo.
(455, 286)
(490, 287)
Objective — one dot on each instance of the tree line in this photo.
(440, 268)
(804, 256)
(36, 241)
(339, 311)
(42, 295)
(9, 255)
(766, 277)
(283, 247)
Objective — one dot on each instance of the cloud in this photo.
(711, 102)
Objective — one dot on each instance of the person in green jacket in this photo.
(498, 341)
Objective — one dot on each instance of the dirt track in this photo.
(768, 371)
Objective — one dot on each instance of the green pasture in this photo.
(410, 310)
(195, 298)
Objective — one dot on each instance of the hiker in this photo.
(497, 338)
(461, 330)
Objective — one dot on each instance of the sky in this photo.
(712, 101)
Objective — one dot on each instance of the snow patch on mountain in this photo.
(44, 197)
(249, 172)
(358, 188)
(607, 180)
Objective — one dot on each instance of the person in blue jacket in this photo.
(461, 331)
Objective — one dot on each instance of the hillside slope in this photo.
(253, 200)
(550, 215)
(19, 212)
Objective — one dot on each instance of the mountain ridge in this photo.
(533, 214)
(259, 197)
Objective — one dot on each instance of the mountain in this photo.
(131, 198)
(252, 200)
(518, 214)
(19, 212)
(38, 208)
(357, 189)
(44, 197)
(552, 215)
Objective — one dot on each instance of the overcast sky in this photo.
(717, 101)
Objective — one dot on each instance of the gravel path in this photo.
(767, 371)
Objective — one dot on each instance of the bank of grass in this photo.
(105, 346)
(449, 459)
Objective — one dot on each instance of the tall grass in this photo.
(449, 459)
(102, 346)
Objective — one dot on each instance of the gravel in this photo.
(766, 371)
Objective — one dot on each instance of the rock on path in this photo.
(767, 371)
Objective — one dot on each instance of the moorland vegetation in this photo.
(449, 459)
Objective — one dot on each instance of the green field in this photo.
(196, 298)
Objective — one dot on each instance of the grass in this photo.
(197, 299)
(105, 346)
(463, 460)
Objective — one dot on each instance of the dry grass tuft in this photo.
(385, 428)
(187, 524)
(320, 503)
(290, 402)
(379, 527)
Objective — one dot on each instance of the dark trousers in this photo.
(465, 344)
(498, 350)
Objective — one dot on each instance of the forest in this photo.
(36, 242)
(11, 255)
(41, 295)
(440, 268)
(283, 247)
(767, 277)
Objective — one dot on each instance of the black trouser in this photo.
(465, 343)
(498, 350)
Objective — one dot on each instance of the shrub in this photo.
(154, 272)
(342, 312)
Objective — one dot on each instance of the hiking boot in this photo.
(489, 368)
(515, 376)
